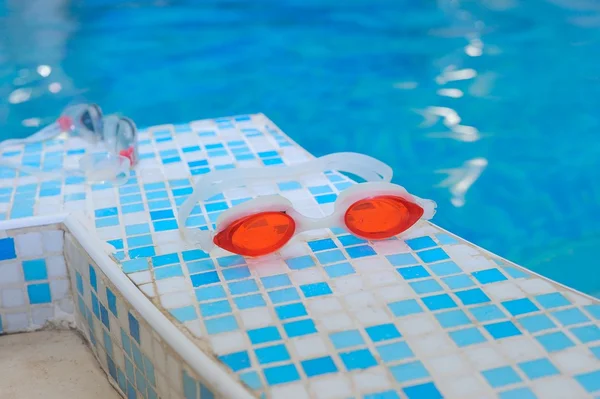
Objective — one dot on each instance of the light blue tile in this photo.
(589, 381)
(446, 239)
(402, 260)
(249, 301)
(221, 325)
(409, 371)
(555, 341)
(501, 376)
(432, 255)
(329, 257)
(405, 307)
(339, 270)
(280, 280)
(445, 268)
(567, 317)
(426, 286)
(167, 272)
(536, 323)
(284, 295)
(358, 359)
(586, 334)
(538, 368)
(452, 318)
(420, 243)
(518, 393)
(346, 339)
(466, 337)
(552, 300)
(360, 251)
(243, 287)
(394, 351)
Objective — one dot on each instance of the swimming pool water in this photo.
(502, 96)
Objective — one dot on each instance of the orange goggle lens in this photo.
(381, 217)
(256, 235)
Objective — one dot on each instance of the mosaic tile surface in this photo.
(136, 360)
(34, 285)
(423, 315)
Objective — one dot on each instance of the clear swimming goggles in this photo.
(374, 210)
(118, 134)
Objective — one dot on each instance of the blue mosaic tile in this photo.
(300, 262)
(445, 268)
(35, 270)
(503, 329)
(467, 337)
(319, 366)
(382, 332)
(420, 243)
(489, 276)
(346, 339)
(438, 302)
(571, 316)
(473, 296)
(589, 381)
(452, 318)
(358, 359)
(501, 376)
(552, 300)
(403, 260)
(536, 323)
(394, 351)
(586, 334)
(281, 374)
(299, 328)
(518, 393)
(432, 255)
(538, 368)
(427, 390)
(413, 272)
(554, 342)
(520, 306)
(405, 308)
(426, 286)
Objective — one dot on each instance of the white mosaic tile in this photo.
(33, 279)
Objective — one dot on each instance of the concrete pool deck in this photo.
(51, 365)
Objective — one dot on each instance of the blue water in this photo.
(504, 93)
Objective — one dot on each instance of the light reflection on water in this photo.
(488, 106)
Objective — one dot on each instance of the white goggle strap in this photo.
(47, 133)
(216, 182)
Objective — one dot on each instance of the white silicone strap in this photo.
(47, 133)
(216, 182)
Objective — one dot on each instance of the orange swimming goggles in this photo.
(374, 210)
